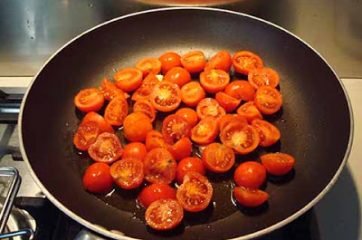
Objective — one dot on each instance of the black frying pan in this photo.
(315, 122)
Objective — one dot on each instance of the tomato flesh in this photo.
(193, 61)
(181, 149)
(149, 65)
(178, 75)
(116, 111)
(209, 107)
(145, 106)
(250, 197)
(110, 90)
(214, 80)
(268, 133)
(169, 60)
(192, 93)
(268, 100)
(221, 60)
(259, 77)
(278, 164)
(128, 79)
(127, 173)
(107, 148)
(86, 135)
(249, 111)
(154, 139)
(89, 99)
(166, 96)
(227, 102)
(218, 158)
(245, 61)
(241, 90)
(174, 128)
(205, 131)
(160, 166)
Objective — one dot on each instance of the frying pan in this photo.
(315, 121)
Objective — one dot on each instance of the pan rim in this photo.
(115, 234)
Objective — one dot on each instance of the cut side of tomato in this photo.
(128, 79)
(154, 139)
(149, 65)
(178, 75)
(268, 100)
(250, 174)
(195, 193)
(160, 166)
(169, 60)
(205, 131)
(218, 158)
(145, 90)
(86, 135)
(193, 61)
(146, 107)
(250, 197)
(189, 164)
(249, 111)
(245, 61)
(127, 173)
(228, 118)
(107, 148)
(110, 90)
(221, 60)
(174, 128)
(241, 90)
(226, 101)
(209, 107)
(89, 100)
(116, 111)
(103, 125)
(97, 178)
(259, 77)
(192, 93)
(164, 214)
(214, 80)
(189, 115)
(278, 164)
(268, 133)
(166, 96)
(181, 149)
(154, 192)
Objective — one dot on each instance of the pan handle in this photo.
(24, 232)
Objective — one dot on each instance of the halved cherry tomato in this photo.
(178, 75)
(189, 164)
(205, 131)
(164, 214)
(278, 163)
(221, 60)
(86, 135)
(240, 137)
(250, 174)
(154, 192)
(107, 148)
(149, 65)
(174, 128)
(245, 61)
(268, 133)
(263, 77)
(154, 139)
(145, 90)
(195, 193)
(116, 111)
(228, 118)
(250, 197)
(268, 100)
(218, 158)
(192, 93)
(189, 115)
(89, 99)
(146, 107)
(110, 90)
(127, 173)
(166, 96)
(214, 80)
(104, 126)
(240, 89)
(136, 126)
(181, 149)
(169, 60)
(160, 166)
(97, 178)
(193, 61)
(209, 107)
(135, 150)
(128, 79)
(249, 111)
(226, 101)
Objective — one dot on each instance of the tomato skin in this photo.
(174, 128)
(135, 150)
(110, 90)
(259, 77)
(226, 101)
(128, 79)
(107, 148)
(154, 192)
(195, 193)
(192, 93)
(146, 88)
(205, 131)
(228, 118)
(149, 65)
(166, 96)
(89, 100)
(103, 125)
(116, 111)
(146, 107)
(177, 75)
(218, 158)
(250, 174)
(268, 100)
(160, 166)
(214, 80)
(136, 126)
(249, 111)
(221, 60)
(189, 115)
(278, 164)
(169, 60)
(181, 149)
(193, 61)
(209, 107)
(245, 61)
(268, 133)
(155, 214)
(127, 173)
(240, 89)
(189, 164)
(97, 178)
(250, 197)
(154, 139)
(86, 135)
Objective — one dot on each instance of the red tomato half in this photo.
(103, 125)
(160, 166)
(241, 90)
(110, 90)
(259, 77)
(128, 79)
(86, 135)
(107, 148)
(250, 197)
(205, 131)
(169, 60)
(154, 192)
(221, 60)
(181, 149)
(154, 139)
(178, 75)
(189, 164)
(193, 61)
(268, 133)
(209, 107)
(228, 118)
(189, 114)
(226, 101)
(135, 150)
(136, 127)
(89, 99)
(249, 111)
(97, 178)
(149, 65)
(166, 96)
(268, 100)
(245, 61)
(116, 111)
(195, 193)
(127, 173)
(214, 80)
(174, 128)
(146, 107)
(278, 163)
(250, 174)
(218, 158)
(192, 93)
(145, 90)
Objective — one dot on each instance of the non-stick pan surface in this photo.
(315, 122)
